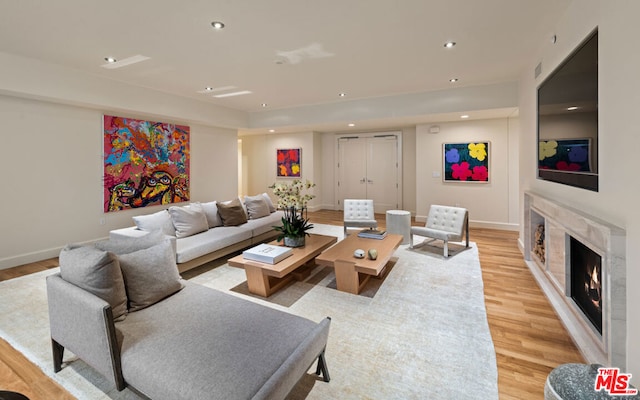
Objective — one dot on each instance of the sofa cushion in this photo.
(257, 206)
(272, 208)
(212, 240)
(188, 221)
(124, 245)
(97, 272)
(211, 212)
(232, 213)
(265, 224)
(150, 275)
(232, 348)
(156, 221)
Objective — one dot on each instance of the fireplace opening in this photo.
(586, 281)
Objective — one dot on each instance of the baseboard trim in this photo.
(28, 258)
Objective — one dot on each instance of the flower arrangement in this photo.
(293, 201)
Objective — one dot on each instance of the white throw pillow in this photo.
(272, 208)
(256, 206)
(156, 221)
(211, 211)
(188, 221)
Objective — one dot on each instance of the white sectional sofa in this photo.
(206, 231)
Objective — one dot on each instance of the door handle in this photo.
(369, 181)
(362, 180)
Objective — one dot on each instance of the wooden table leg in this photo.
(347, 278)
(257, 281)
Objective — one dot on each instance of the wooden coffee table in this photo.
(265, 279)
(353, 273)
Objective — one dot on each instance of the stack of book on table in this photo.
(372, 234)
(267, 253)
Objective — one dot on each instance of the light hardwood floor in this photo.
(529, 338)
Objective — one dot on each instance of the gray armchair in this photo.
(359, 214)
(444, 223)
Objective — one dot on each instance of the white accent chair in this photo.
(358, 214)
(444, 223)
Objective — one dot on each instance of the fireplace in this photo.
(586, 281)
(579, 262)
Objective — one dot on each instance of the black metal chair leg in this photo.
(58, 351)
(322, 368)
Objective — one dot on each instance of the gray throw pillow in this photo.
(97, 272)
(156, 221)
(150, 275)
(232, 213)
(211, 211)
(188, 221)
(129, 245)
(257, 206)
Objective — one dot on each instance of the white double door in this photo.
(369, 168)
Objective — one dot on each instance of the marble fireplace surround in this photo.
(553, 275)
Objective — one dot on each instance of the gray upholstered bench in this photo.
(173, 339)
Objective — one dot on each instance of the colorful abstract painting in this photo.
(466, 162)
(289, 164)
(145, 163)
(565, 155)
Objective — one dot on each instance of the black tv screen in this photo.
(568, 119)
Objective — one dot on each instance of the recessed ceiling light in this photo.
(263, 104)
(271, 130)
(208, 89)
(240, 93)
(453, 80)
(217, 25)
(342, 94)
(352, 125)
(110, 59)
(449, 45)
(573, 108)
(464, 116)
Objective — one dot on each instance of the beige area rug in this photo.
(419, 333)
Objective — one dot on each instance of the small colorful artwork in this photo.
(145, 163)
(565, 155)
(289, 164)
(466, 162)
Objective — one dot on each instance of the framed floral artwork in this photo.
(466, 162)
(288, 163)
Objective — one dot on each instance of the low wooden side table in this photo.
(265, 279)
(353, 273)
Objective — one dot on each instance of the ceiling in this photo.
(287, 53)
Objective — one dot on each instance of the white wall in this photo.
(259, 151)
(53, 167)
(619, 100)
(491, 204)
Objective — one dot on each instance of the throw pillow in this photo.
(188, 221)
(150, 275)
(97, 272)
(257, 206)
(232, 213)
(211, 211)
(129, 245)
(272, 208)
(156, 221)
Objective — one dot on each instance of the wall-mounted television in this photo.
(568, 119)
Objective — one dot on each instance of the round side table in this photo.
(399, 222)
